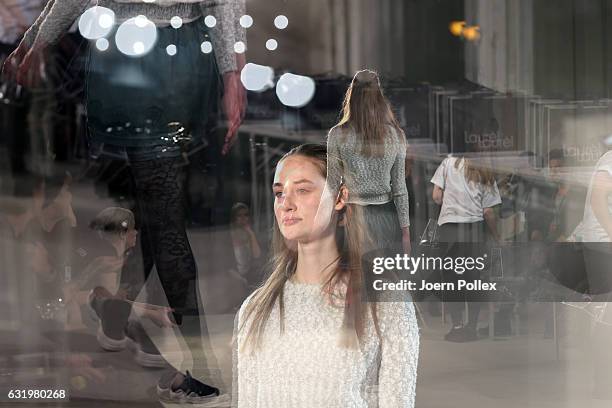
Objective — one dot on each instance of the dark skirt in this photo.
(137, 102)
(383, 227)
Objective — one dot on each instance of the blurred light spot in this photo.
(96, 22)
(141, 21)
(102, 44)
(106, 21)
(139, 47)
(256, 77)
(271, 44)
(176, 22)
(281, 22)
(210, 21)
(136, 36)
(239, 47)
(295, 90)
(171, 49)
(471, 33)
(206, 47)
(456, 27)
(246, 21)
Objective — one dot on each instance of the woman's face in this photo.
(242, 218)
(130, 238)
(303, 207)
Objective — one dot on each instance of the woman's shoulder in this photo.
(337, 130)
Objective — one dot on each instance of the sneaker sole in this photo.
(146, 360)
(107, 343)
(222, 401)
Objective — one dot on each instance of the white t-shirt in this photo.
(464, 201)
(591, 230)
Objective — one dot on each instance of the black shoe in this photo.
(453, 333)
(464, 335)
(113, 315)
(191, 391)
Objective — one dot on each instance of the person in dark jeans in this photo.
(467, 193)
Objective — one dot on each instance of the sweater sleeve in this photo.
(54, 21)
(235, 361)
(400, 355)
(30, 35)
(398, 185)
(227, 31)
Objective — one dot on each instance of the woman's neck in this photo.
(316, 260)
(119, 246)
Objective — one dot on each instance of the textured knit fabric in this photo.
(59, 15)
(370, 180)
(383, 227)
(305, 367)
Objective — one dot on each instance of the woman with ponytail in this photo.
(306, 338)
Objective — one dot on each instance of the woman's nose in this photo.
(288, 202)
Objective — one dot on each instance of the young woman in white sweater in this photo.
(306, 338)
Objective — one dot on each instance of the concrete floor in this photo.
(523, 370)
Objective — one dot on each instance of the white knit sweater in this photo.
(305, 367)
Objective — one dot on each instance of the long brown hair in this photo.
(350, 236)
(476, 173)
(367, 111)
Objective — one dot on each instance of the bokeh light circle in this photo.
(96, 22)
(295, 90)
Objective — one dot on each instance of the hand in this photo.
(234, 105)
(12, 62)
(406, 244)
(161, 316)
(248, 229)
(31, 71)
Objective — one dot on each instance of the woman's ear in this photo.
(342, 199)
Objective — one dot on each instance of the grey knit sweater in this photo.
(59, 15)
(370, 180)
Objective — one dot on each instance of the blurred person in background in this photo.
(467, 193)
(367, 149)
(595, 233)
(149, 114)
(246, 247)
(100, 264)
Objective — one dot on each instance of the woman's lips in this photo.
(291, 221)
